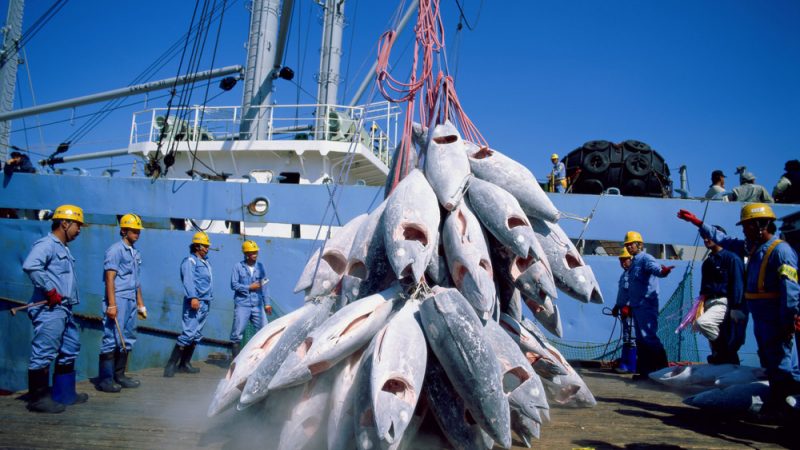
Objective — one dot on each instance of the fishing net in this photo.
(680, 346)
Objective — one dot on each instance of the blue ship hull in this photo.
(162, 249)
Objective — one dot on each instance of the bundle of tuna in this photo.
(444, 263)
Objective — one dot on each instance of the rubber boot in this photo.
(172, 364)
(105, 374)
(64, 386)
(235, 349)
(627, 361)
(120, 363)
(39, 399)
(185, 365)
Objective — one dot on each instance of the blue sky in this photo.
(709, 84)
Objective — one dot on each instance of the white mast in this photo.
(330, 59)
(8, 73)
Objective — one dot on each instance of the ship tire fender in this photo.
(596, 162)
(638, 165)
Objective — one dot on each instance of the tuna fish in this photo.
(455, 335)
(523, 387)
(743, 398)
(341, 416)
(303, 429)
(323, 276)
(531, 276)
(468, 259)
(501, 214)
(570, 272)
(343, 333)
(437, 269)
(526, 428)
(367, 266)
(447, 166)
(366, 433)
(311, 315)
(451, 413)
(532, 348)
(398, 369)
(546, 313)
(411, 225)
(230, 388)
(702, 375)
(494, 167)
(407, 165)
(510, 298)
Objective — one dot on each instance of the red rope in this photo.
(429, 32)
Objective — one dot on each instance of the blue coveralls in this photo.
(197, 283)
(723, 277)
(247, 305)
(558, 173)
(773, 306)
(622, 300)
(50, 265)
(126, 262)
(643, 297)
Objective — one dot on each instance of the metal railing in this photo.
(375, 125)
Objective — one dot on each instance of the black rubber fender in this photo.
(589, 186)
(597, 145)
(636, 146)
(596, 162)
(638, 165)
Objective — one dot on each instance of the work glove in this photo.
(256, 285)
(689, 217)
(665, 270)
(625, 311)
(268, 309)
(797, 323)
(615, 311)
(142, 312)
(53, 297)
(737, 315)
(111, 312)
(195, 304)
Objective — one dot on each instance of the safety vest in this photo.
(761, 294)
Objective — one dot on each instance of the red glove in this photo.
(665, 270)
(53, 297)
(797, 323)
(268, 309)
(689, 217)
(625, 311)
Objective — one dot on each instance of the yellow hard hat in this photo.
(755, 211)
(633, 236)
(200, 238)
(554, 156)
(69, 212)
(249, 246)
(131, 221)
(624, 254)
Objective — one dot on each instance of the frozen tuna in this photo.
(447, 166)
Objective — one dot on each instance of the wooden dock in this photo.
(170, 413)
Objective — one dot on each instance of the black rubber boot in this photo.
(172, 364)
(235, 349)
(186, 360)
(120, 363)
(105, 374)
(64, 386)
(39, 393)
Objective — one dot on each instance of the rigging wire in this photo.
(13, 48)
(462, 16)
(350, 50)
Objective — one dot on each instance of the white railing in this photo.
(374, 125)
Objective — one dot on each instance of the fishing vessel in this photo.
(284, 175)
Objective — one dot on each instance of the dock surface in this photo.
(170, 413)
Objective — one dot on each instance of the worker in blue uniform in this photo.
(772, 296)
(558, 175)
(51, 268)
(123, 302)
(622, 309)
(250, 303)
(724, 320)
(197, 295)
(643, 297)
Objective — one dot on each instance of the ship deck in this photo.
(170, 414)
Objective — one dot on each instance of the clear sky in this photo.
(709, 84)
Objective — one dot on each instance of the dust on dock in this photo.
(170, 413)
